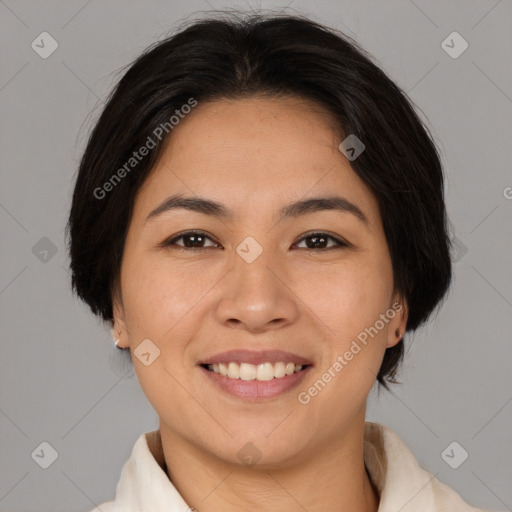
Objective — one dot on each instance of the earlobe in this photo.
(119, 330)
(118, 336)
(394, 337)
(399, 323)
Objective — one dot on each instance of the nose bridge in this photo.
(255, 295)
(251, 268)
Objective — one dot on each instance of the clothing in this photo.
(400, 482)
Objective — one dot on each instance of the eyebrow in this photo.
(295, 209)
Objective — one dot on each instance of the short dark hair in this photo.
(235, 57)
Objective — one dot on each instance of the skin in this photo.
(255, 156)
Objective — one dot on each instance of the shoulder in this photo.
(402, 484)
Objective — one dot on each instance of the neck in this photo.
(330, 478)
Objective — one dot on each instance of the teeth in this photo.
(265, 371)
(280, 370)
(262, 372)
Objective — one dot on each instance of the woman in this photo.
(259, 214)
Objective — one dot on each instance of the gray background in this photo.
(61, 379)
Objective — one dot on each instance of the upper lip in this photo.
(255, 357)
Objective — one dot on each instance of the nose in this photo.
(256, 296)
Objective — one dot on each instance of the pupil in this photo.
(315, 244)
(188, 237)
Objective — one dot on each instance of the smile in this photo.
(255, 383)
(262, 372)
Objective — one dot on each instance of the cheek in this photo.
(349, 300)
(349, 303)
(347, 297)
(159, 306)
(159, 295)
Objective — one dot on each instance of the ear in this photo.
(120, 330)
(398, 313)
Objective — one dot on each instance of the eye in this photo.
(319, 241)
(192, 240)
(196, 240)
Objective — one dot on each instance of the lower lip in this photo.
(256, 389)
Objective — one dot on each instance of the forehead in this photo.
(255, 153)
(254, 126)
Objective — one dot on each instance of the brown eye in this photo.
(191, 240)
(197, 240)
(320, 241)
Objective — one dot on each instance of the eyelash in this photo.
(313, 234)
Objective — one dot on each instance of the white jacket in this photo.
(401, 483)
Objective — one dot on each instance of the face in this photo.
(315, 283)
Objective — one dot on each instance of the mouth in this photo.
(262, 372)
(255, 376)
